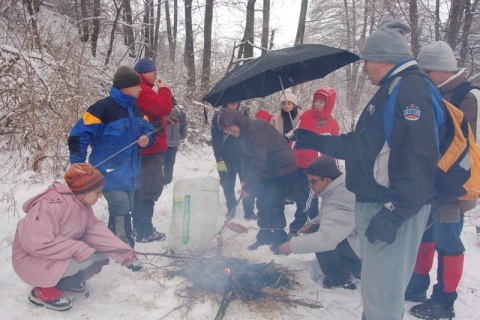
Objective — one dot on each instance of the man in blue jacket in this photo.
(390, 160)
(115, 129)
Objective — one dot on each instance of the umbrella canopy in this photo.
(277, 70)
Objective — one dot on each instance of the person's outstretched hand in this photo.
(305, 139)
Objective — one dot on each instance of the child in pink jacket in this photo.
(60, 244)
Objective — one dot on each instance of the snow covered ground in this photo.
(118, 293)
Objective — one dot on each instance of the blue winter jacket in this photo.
(392, 154)
(112, 125)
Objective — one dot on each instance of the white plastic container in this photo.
(194, 214)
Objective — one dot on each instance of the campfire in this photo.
(236, 279)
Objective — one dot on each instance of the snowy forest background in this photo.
(58, 57)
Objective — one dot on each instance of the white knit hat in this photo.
(387, 43)
(437, 56)
(289, 96)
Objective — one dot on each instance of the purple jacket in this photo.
(56, 229)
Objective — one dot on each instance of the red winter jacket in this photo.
(155, 106)
(320, 122)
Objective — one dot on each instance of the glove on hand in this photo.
(384, 226)
(221, 166)
(305, 139)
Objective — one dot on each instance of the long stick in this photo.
(227, 297)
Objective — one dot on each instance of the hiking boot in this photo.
(135, 267)
(51, 298)
(328, 283)
(250, 216)
(415, 296)
(432, 309)
(254, 246)
(275, 249)
(156, 236)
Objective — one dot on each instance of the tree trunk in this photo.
(301, 23)
(248, 37)
(157, 28)
(437, 20)
(454, 22)
(83, 9)
(96, 26)
(207, 45)
(33, 6)
(171, 45)
(129, 38)
(467, 25)
(114, 27)
(148, 28)
(415, 38)
(265, 25)
(189, 58)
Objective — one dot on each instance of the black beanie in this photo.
(324, 166)
(126, 77)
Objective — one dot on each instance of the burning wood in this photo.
(236, 279)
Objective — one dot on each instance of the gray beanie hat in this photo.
(126, 77)
(437, 56)
(387, 43)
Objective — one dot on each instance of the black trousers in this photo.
(339, 265)
(271, 195)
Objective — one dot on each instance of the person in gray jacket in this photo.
(335, 241)
(177, 129)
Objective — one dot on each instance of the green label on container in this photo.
(186, 220)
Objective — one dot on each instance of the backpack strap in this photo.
(460, 92)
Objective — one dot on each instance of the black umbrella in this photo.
(277, 70)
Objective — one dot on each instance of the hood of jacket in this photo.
(329, 95)
(59, 187)
(228, 117)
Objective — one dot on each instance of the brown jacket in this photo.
(266, 152)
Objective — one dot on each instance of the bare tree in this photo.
(246, 48)
(33, 6)
(301, 23)
(96, 26)
(265, 25)
(157, 30)
(415, 33)
(129, 38)
(171, 29)
(207, 45)
(454, 22)
(188, 56)
(118, 7)
(84, 21)
(148, 23)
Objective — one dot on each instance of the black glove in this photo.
(384, 226)
(305, 139)
(157, 127)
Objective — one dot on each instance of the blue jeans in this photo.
(445, 235)
(120, 205)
